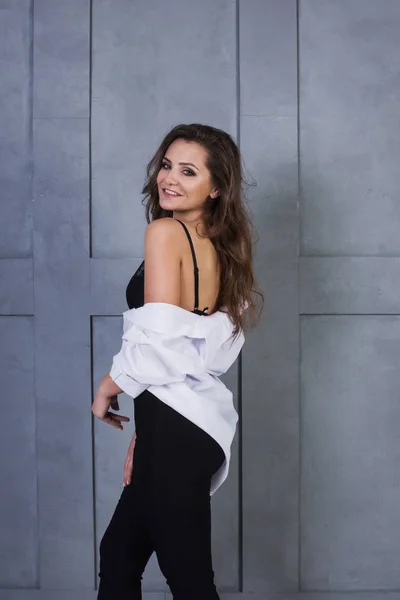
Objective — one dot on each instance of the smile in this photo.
(168, 192)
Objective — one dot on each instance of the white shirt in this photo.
(178, 356)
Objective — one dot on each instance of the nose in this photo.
(170, 177)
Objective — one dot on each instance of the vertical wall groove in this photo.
(298, 286)
(95, 565)
(239, 363)
(90, 121)
(32, 166)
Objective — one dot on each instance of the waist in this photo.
(165, 434)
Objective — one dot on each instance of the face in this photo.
(184, 181)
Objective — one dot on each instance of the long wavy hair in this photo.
(226, 219)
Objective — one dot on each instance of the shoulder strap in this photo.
(196, 269)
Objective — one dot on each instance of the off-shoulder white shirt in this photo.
(178, 356)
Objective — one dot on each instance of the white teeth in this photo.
(170, 192)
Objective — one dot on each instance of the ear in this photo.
(214, 194)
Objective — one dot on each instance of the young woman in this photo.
(187, 307)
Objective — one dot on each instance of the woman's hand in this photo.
(129, 461)
(101, 409)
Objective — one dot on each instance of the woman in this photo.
(198, 253)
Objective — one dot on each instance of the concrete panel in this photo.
(349, 58)
(18, 515)
(15, 130)
(62, 353)
(87, 595)
(143, 84)
(352, 285)
(268, 86)
(110, 452)
(16, 291)
(110, 445)
(268, 66)
(350, 185)
(108, 281)
(270, 364)
(62, 58)
(226, 534)
(67, 595)
(350, 481)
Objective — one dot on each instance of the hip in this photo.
(171, 451)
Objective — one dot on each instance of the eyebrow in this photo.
(183, 163)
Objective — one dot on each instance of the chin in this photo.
(166, 204)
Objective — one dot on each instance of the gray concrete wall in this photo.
(310, 90)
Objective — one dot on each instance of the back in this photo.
(199, 274)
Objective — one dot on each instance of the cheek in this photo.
(196, 184)
(202, 189)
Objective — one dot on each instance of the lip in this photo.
(176, 195)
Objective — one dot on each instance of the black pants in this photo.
(166, 508)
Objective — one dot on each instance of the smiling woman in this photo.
(190, 182)
(197, 252)
(201, 165)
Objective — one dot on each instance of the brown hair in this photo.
(226, 219)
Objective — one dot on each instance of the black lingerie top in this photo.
(135, 288)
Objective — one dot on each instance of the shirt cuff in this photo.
(127, 384)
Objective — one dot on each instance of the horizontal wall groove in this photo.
(61, 118)
(326, 314)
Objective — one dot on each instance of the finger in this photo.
(128, 465)
(120, 418)
(115, 405)
(116, 424)
(126, 479)
(111, 420)
(113, 424)
(128, 474)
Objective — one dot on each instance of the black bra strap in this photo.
(196, 270)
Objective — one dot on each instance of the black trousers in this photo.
(166, 508)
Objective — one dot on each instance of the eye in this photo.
(187, 172)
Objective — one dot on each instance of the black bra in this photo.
(196, 274)
(135, 288)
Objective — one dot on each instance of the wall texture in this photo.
(311, 92)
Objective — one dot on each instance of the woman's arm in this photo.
(162, 284)
(106, 398)
(162, 255)
(108, 387)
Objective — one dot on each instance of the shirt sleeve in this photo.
(225, 355)
(148, 358)
(127, 384)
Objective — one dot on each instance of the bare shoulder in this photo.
(164, 228)
(164, 236)
(162, 253)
